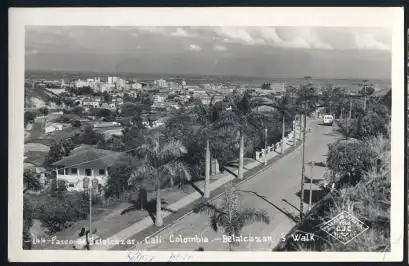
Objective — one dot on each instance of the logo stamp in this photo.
(344, 227)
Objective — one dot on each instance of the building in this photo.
(110, 80)
(278, 87)
(158, 98)
(90, 164)
(161, 83)
(53, 127)
(91, 103)
(136, 86)
(106, 124)
(81, 83)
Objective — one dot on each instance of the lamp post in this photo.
(311, 176)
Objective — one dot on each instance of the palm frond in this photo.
(144, 171)
(250, 216)
(207, 208)
(213, 222)
(175, 170)
(171, 150)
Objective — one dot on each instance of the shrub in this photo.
(76, 123)
(57, 212)
(349, 159)
(27, 223)
(372, 124)
(118, 180)
(29, 117)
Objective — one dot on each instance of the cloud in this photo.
(368, 41)
(219, 47)
(180, 33)
(302, 38)
(237, 35)
(194, 47)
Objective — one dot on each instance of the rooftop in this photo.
(92, 158)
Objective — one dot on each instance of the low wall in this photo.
(275, 148)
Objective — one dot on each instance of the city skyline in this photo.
(216, 51)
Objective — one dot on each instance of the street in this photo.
(274, 190)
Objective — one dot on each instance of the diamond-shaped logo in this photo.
(344, 227)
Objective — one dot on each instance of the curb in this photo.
(215, 197)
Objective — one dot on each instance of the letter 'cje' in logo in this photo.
(344, 227)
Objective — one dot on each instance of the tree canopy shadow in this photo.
(291, 216)
(316, 195)
(150, 207)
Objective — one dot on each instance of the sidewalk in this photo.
(139, 222)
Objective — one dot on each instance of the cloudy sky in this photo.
(243, 51)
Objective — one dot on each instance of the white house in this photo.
(90, 163)
(53, 127)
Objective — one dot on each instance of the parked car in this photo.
(328, 120)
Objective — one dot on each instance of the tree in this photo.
(107, 96)
(230, 216)
(78, 110)
(76, 123)
(242, 116)
(160, 164)
(284, 106)
(29, 117)
(207, 117)
(27, 222)
(55, 154)
(118, 180)
(31, 180)
(89, 136)
(43, 110)
(114, 143)
(349, 160)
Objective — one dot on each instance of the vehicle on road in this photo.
(328, 120)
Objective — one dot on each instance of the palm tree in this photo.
(230, 216)
(207, 116)
(242, 116)
(284, 106)
(161, 164)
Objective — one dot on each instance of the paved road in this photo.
(274, 190)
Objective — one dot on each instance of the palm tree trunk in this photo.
(241, 159)
(282, 134)
(206, 193)
(158, 219)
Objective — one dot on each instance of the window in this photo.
(101, 171)
(61, 171)
(74, 171)
(88, 172)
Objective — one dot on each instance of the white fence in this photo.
(275, 149)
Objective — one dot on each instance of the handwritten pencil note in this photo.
(145, 256)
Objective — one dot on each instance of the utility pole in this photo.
(302, 168)
(265, 146)
(90, 211)
(311, 176)
(350, 107)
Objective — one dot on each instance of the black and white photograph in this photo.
(171, 139)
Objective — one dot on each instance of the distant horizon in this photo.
(175, 75)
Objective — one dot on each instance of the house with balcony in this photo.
(87, 162)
